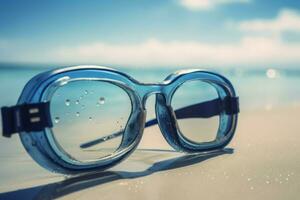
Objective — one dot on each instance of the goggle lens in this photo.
(83, 110)
(196, 129)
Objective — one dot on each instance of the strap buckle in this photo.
(25, 117)
(231, 105)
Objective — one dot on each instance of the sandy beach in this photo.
(262, 162)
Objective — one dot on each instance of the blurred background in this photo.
(254, 43)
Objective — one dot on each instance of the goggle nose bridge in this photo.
(147, 90)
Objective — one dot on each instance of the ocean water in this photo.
(257, 88)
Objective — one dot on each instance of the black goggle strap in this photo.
(25, 117)
(205, 109)
(200, 110)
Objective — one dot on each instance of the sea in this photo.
(257, 88)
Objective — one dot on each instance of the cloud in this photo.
(287, 20)
(207, 4)
(260, 51)
(252, 50)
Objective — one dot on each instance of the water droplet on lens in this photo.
(67, 102)
(77, 102)
(90, 118)
(101, 100)
(56, 120)
(82, 106)
(77, 114)
(86, 92)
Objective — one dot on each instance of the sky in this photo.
(152, 33)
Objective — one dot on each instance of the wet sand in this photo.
(264, 164)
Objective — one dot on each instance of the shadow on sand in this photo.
(75, 184)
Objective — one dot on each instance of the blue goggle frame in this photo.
(31, 116)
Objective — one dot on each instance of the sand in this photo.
(262, 162)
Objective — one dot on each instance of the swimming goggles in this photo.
(87, 118)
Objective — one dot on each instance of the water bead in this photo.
(67, 102)
(77, 102)
(101, 100)
(56, 119)
(77, 114)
